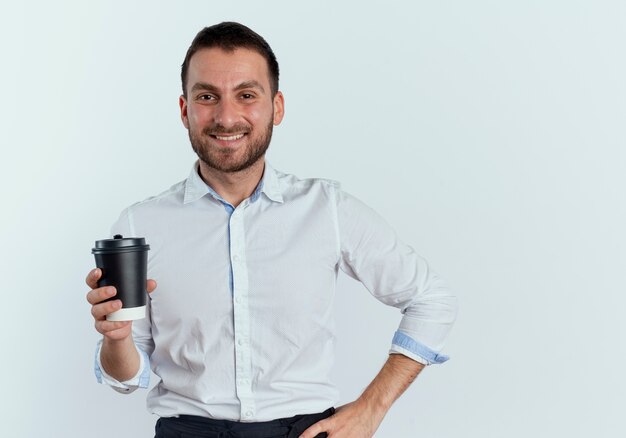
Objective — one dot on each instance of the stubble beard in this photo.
(219, 158)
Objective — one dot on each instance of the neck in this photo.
(233, 187)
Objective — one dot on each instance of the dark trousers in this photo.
(190, 426)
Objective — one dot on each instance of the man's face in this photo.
(229, 110)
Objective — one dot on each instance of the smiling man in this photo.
(240, 328)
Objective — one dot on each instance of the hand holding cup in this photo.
(100, 307)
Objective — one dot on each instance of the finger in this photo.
(100, 311)
(100, 294)
(316, 429)
(113, 329)
(151, 285)
(106, 326)
(93, 277)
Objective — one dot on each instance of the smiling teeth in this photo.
(229, 138)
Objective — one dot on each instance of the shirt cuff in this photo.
(140, 380)
(406, 345)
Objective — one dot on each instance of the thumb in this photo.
(151, 285)
(316, 429)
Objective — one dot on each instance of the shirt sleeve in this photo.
(142, 332)
(371, 253)
(139, 380)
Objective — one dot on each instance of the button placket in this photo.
(241, 314)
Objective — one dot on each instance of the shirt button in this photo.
(236, 258)
(237, 300)
(249, 414)
(241, 342)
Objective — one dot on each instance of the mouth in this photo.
(232, 137)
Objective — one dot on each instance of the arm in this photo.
(361, 418)
(119, 359)
(371, 253)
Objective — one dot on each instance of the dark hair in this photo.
(229, 36)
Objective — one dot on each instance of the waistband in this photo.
(191, 426)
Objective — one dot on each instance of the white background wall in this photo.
(490, 134)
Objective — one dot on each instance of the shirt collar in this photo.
(196, 188)
(270, 184)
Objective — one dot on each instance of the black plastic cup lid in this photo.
(120, 244)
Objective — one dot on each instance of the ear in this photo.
(182, 102)
(279, 108)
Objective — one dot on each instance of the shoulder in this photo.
(292, 184)
(167, 198)
(135, 217)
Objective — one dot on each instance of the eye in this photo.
(247, 96)
(206, 97)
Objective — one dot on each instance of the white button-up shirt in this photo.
(240, 326)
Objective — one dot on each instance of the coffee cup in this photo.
(124, 264)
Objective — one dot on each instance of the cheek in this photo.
(198, 115)
(260, 116)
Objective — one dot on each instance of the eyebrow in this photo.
(242, 86)
(250, 84)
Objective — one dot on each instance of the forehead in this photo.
(227, 68)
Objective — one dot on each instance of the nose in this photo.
(226, 113)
